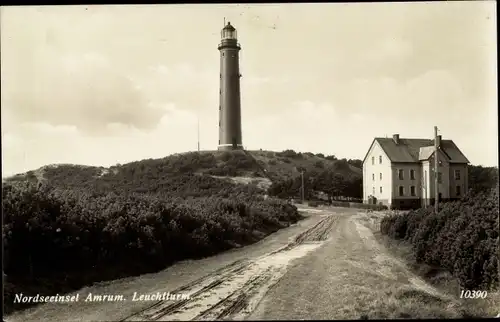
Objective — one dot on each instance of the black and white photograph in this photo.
(271, 161)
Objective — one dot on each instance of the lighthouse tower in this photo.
(229, 100)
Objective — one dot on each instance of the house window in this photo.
(373, 176)
(380, 189)
(458, 190)
(412, 191)
(373, 191)
(412, 174)
(373, 160)
(380, 175)
(380, 159)
(440, 177)
(457, 174)
(400, 174)
(401, 191)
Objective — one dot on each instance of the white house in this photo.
(399, 172)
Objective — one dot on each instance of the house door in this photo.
(439, 197)
(235, 145)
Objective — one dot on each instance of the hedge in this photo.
(461, 238)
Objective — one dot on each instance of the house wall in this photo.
(462, 182)
(426, 183)
(406, 182)
(384, 168)
(447, 187)
(444, 168)
(407, 200)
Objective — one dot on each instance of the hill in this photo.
(258, 168)
(277, 173)
(278, 165)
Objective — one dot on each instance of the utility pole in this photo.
(436, 170)
(302, 177)
(198, 133)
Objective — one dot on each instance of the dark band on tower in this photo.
(229, 101)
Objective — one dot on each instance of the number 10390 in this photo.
(473, 294)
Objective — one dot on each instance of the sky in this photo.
(101, 85)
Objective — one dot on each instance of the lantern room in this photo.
(228, 32)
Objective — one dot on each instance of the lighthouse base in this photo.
(230, 147)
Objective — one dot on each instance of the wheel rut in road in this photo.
(233, 291)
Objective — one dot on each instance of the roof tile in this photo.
(409, 150)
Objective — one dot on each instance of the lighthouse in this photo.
(229, 92)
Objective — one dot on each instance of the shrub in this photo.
(86, 228)
(319, 164)
(327, 181)
(288, 154)
(482, 178)
(462, 237)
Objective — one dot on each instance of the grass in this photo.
(443, 281)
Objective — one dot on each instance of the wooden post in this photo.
(302, 177)
(436, 171)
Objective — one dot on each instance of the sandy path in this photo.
(234, 270)
(349, 277)
(234, 291)
(328, 266)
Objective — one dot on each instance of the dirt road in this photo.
(328, 266)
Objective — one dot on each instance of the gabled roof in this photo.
(425, 153)
(414, 150)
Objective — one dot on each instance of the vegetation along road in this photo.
(214, 229)
(327, 266)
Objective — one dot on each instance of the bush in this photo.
(319, 164)
(461, 238)
(288, 154)
(81, 228)
(328, 181)
(236, 163)
(482, 178)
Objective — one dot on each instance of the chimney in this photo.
(438, 140)
(395, 137)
